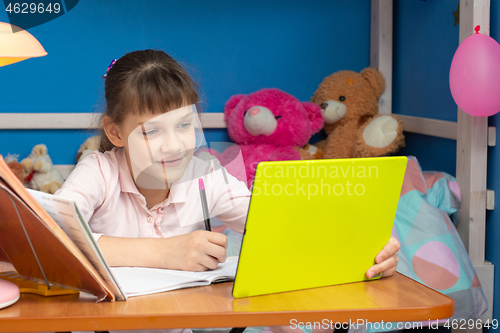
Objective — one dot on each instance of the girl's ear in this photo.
(112, 131)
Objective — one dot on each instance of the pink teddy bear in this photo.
(269, 125)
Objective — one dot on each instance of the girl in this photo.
(137, 193)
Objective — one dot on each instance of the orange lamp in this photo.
(15, 47)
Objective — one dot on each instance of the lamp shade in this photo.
(17, 46)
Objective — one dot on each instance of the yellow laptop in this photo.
(317, 223)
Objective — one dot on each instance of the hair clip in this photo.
(109, 67)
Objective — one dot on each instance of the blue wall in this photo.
(425, 40)
(229, 47)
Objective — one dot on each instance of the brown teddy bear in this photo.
(349, 106)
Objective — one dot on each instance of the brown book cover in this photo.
(3, 256)
(36, 245)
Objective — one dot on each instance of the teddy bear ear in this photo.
(319, 91)
(231, 104)
(375, 79)
(314, 112)
(314, 96)
(39, 150)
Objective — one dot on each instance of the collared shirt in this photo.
(108, 199)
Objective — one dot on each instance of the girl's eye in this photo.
(184, 125)
(150, 132)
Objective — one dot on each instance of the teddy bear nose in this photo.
(254, 111)
(324, 105)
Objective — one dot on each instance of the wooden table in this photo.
(396, 298)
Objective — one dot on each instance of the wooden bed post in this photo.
(381, 48)
(472, 145)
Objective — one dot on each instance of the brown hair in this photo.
(145, 81)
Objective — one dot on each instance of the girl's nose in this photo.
(171, 144)
(169, 147)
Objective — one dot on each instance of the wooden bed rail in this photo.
(17, 121)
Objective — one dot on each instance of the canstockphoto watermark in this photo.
(297, 180)
(356, 324)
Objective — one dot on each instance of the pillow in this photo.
(432, 252)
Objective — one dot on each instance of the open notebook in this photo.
(135, 281)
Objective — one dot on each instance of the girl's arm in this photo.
(197, 251)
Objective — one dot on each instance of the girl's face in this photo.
(159, 147)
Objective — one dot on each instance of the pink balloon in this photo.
(475, 76)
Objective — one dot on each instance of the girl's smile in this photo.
(171, 162)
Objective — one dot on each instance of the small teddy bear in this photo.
(87, 146)
(349, 106)
(269, 125)
(41, 174)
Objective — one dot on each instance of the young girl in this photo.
(138, 193)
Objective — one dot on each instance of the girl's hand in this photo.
(386, 260)
(197, 251)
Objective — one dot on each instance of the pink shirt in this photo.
(103, 188)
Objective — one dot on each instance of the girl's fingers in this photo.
(386, 260)
(387, 267)
(389, 272)
(217, 252)
(217, 245)
(217, 238)
(204, 250)
(391, 248)
(208, 262)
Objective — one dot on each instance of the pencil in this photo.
(204, 204)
